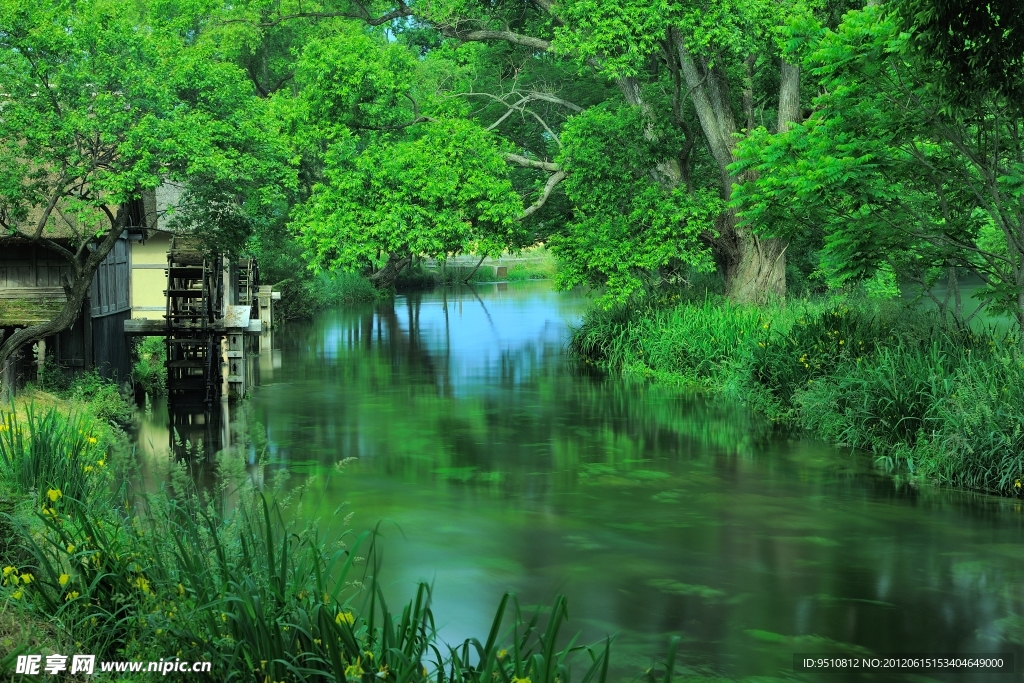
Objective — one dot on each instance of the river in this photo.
(497, 466)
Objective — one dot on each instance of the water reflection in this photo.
(656, 513)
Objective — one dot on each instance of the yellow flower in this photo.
(101, 463)
(516, 679)
(345, 617)
(502, 653)
(53, 495)
(181, 589)
(142, 583)
(87, 469)
(1016, 484)
(354, 670)
(91, 439)
(71, 547)
(27, 578)
(63, 580)
(3, 428)
(17, 594)
(71, 596)
(8, 570)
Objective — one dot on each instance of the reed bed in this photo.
(941, 403)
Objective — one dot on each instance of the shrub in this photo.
(946, 403)
(104, 398)
(52, 455)
(148, 371)
(980, 442)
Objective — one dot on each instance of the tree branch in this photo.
(553, 180)
(508, 36)
(363, 15)
(525, 162)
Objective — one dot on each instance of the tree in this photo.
(98, 105)
(893, 172)
(697, 73)
(980, 46)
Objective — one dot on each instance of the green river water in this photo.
(499, 467)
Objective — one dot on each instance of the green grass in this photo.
(148, 370)
(943, 404)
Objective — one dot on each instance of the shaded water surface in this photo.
(499, 467)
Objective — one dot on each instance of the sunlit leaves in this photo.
(444, 189)
(625, 225)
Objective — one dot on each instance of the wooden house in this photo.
(31, 291)
(153, 283)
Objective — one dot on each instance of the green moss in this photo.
(28, 311)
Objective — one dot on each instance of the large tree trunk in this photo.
(75, 291)
(385, 278)
(754, 268)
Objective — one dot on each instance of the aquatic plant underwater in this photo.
(226, 579)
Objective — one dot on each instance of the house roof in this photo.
(23, 306)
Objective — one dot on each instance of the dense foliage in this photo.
(929, 400)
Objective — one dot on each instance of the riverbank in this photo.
(931, 402)
(222, 578)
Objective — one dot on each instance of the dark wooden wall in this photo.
(28, 265)
(111, 284)
(96, 339)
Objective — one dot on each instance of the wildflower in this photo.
(345, 617)
(1016, 484)
(17, 594)
(142, 583)
(223, 617)
(354, 670)
(63, 580)
(87, 469)
(3, 428)
(72, 595)
(516, 679)
(181, 589)
(91, 439)
(8, 570)
(27, 578)
(382, 672)
(71, 547)
(101, 463)
(53, 495)
(502, 653)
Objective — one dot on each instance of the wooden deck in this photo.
(142, 327)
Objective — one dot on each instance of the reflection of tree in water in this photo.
(385, 388)
(672, 513)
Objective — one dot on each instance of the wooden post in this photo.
(87, 363)
(40, 359)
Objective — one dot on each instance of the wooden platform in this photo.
(158, 328)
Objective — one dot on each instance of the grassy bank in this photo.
(88, 569)
(938, 403)
(536, 263)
